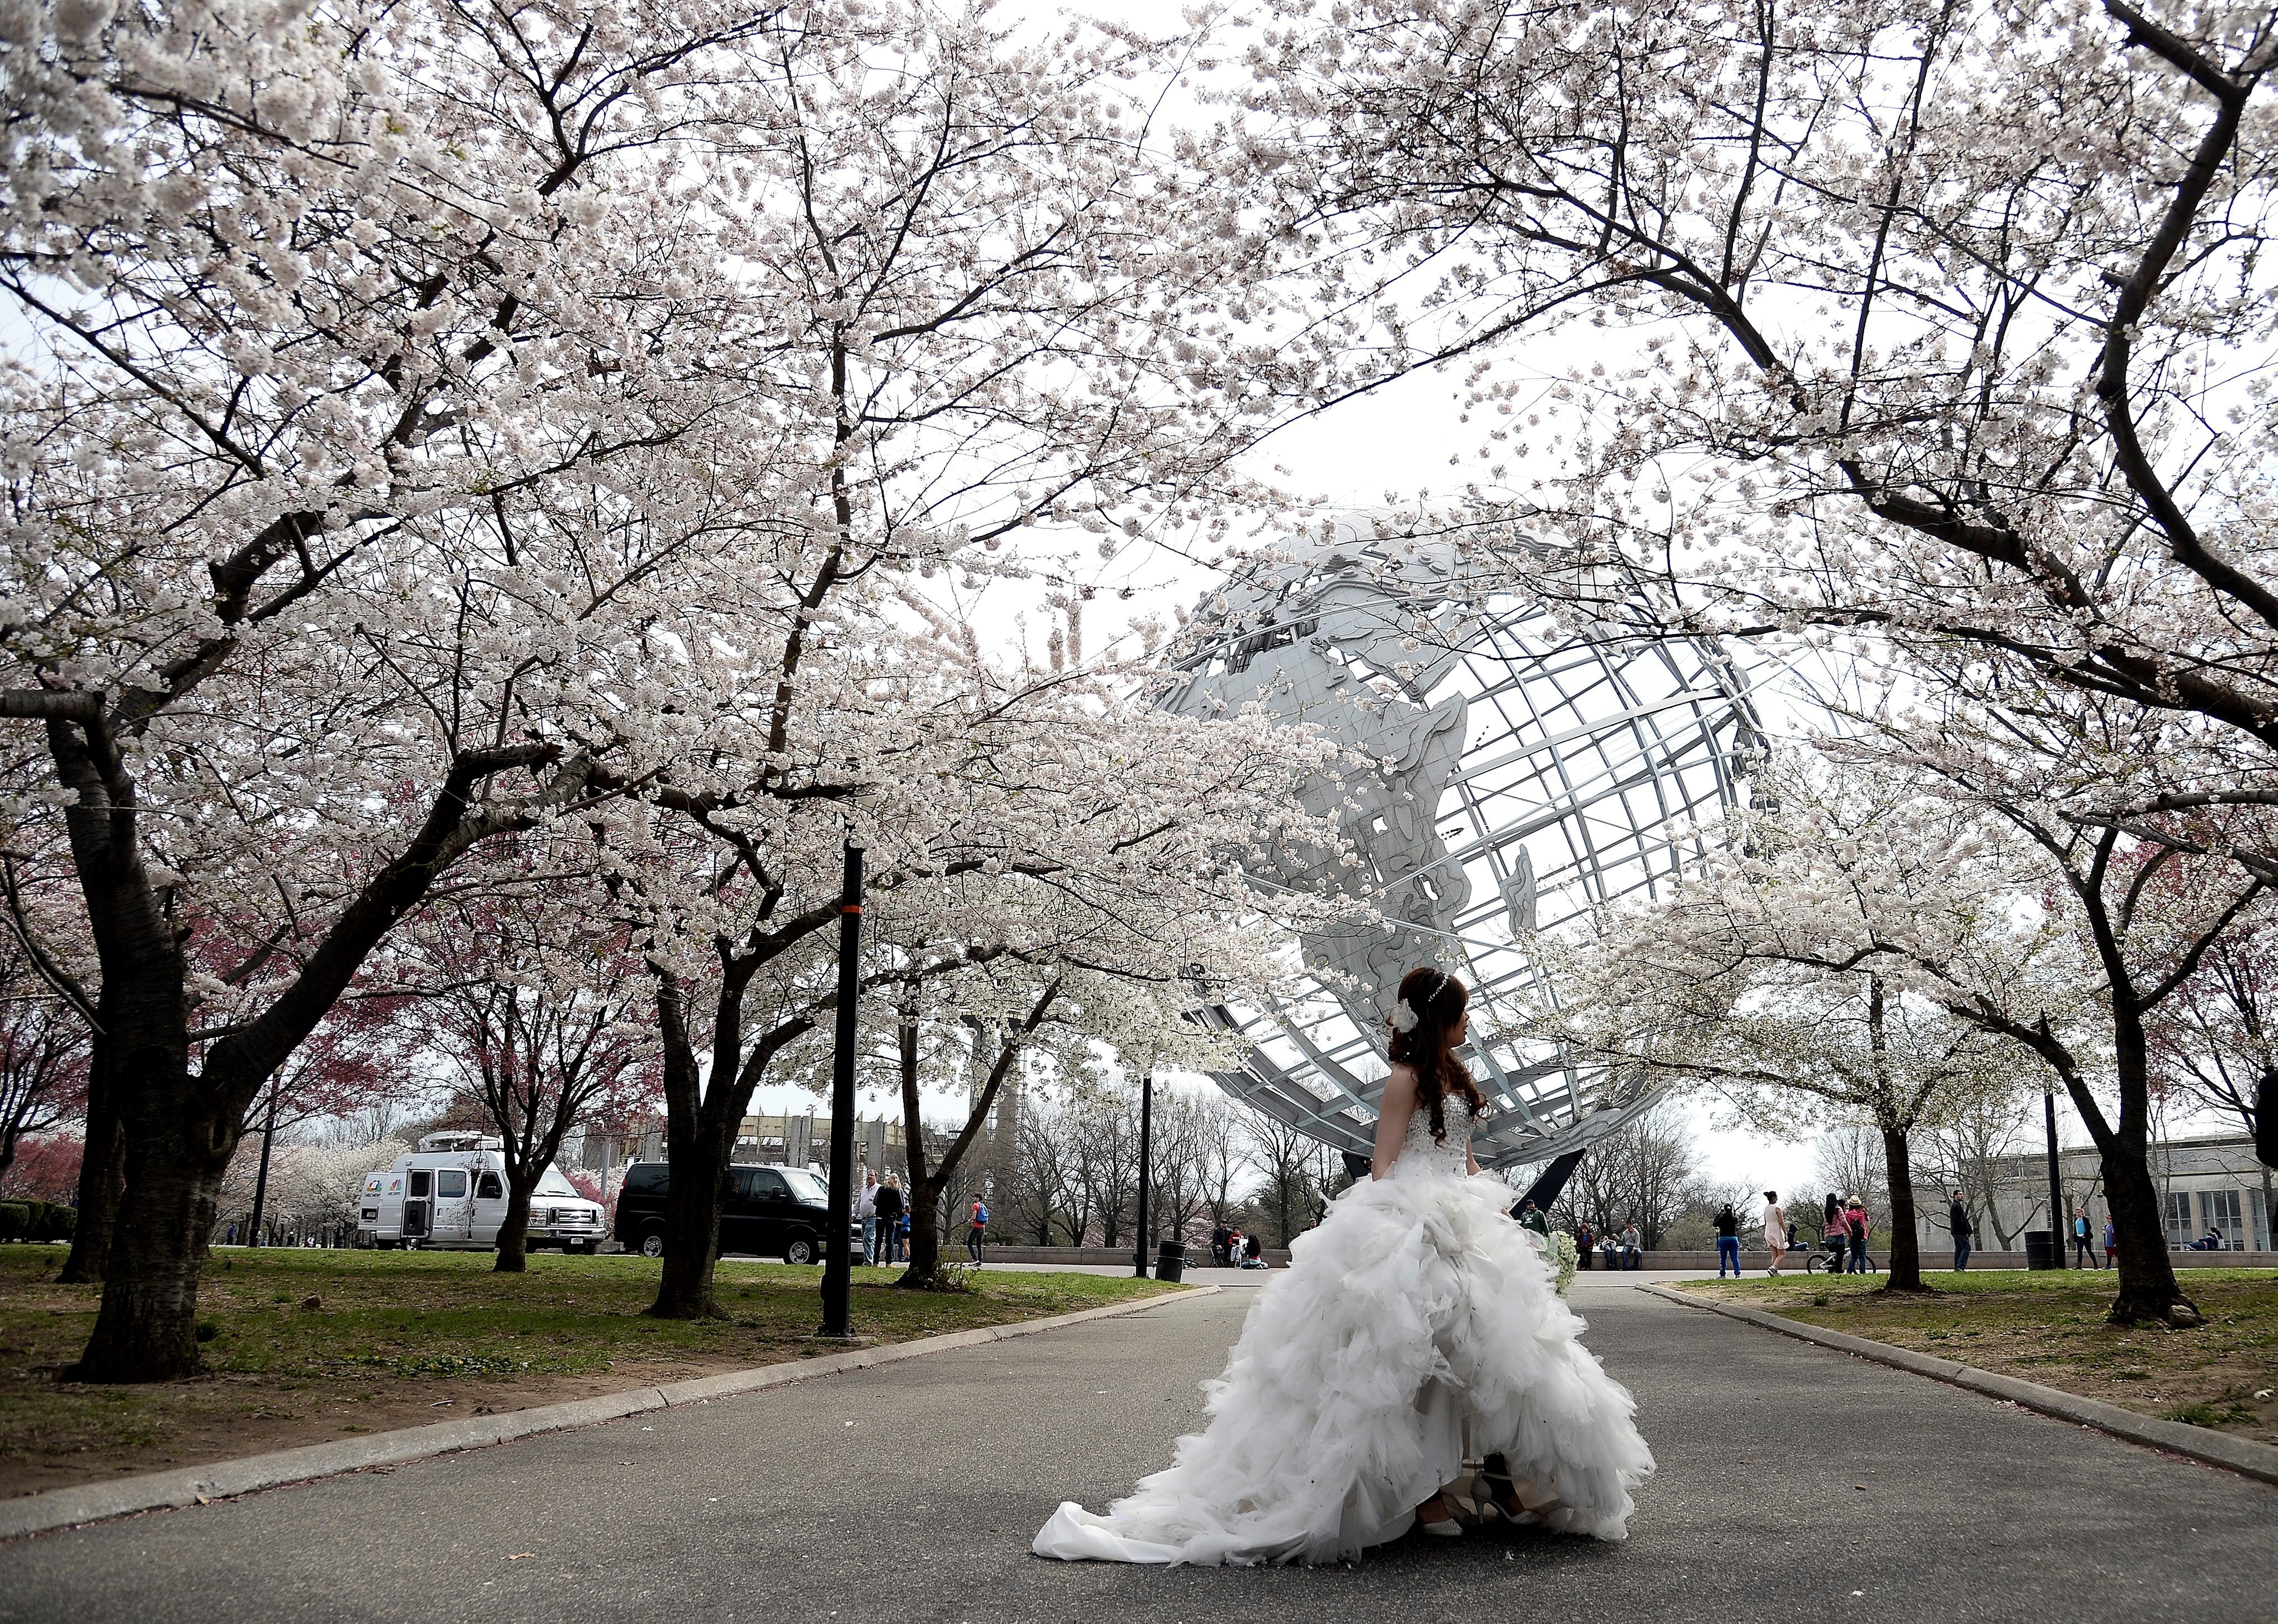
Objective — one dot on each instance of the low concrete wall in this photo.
(1754, 1260)
(1197, 1257)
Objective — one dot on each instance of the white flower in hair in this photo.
(1403, 1018)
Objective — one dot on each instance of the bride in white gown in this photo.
(1415, 1327)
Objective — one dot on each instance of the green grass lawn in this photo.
(305, 1345)
(2049, 1327)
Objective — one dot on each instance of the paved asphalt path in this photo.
(1795, 1484)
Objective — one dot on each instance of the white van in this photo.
(451, 1193)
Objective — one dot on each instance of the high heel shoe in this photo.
(1509, 1502)
(1442, 1526)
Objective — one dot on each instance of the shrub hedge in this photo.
(36, 1221)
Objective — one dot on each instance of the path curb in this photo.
(2241, 1455)
(63, 1508)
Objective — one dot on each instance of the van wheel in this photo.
(653, 1244)
(801, 1250)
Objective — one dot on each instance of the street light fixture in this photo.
(2057, 1222)
(1146, 1161)
(838, 1266)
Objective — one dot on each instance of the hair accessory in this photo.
(1403, 1017)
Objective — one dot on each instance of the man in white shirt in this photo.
(865, 1208)
(1775, 1228)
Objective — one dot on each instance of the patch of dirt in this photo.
(2052, 1329)
(2171, 1379)
(223, 1417)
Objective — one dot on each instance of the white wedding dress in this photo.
(1417, 1326)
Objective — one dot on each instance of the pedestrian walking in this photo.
(1957, 1223)
(976, 1228)
(1855, 1220)
(1775, 1231)
(2083, 1244)
(1632, 1246)
(886, 1207)
(1585, 1240)
(865, 1208)
(1220, 1239)
(1531, 1217)
(2111, 1243)
(1835, 1229)
(1728, 1240)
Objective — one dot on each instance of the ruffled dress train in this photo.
(1417, 1326)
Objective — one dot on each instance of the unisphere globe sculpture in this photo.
(1530, 767)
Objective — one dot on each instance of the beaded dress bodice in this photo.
(1419, 1149)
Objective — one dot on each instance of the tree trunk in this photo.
(1905, 1241)
(926, 1185)
(174, 1161)
(2148, 1287)
(695, 1153)
(102, 1179)
(692, 1227)
(925, 1180)
(514, 1229)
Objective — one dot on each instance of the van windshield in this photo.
(552, 1183)
(806, 1187)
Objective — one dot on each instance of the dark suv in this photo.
(764, 1212)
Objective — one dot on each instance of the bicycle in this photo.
(1823, 1262)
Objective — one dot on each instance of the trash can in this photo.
(1170, 1261)
(2041, 1250)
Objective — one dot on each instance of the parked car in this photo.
(450, 1193)
(764, 1212)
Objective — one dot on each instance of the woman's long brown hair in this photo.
(1438, 1000)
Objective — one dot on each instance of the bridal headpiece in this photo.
(1405, 1016)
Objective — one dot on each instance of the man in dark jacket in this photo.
(1220, 1237)
(889, 1220)
(1957, 1219)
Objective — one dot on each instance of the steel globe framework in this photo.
(1528, 768)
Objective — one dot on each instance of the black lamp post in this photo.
(838, 1266)
(261, 1179)
(1146, 1161)
(2059, 1225)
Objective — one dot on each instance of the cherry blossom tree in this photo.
(1053, 844)
(364, 338)
(2012, 920)
(43, 1057)
(1946, 332)
(1947, 322)
(1006, 316)
(539, 1007)
(1864, 953)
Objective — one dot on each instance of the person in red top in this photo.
(1854, 1222)
(1834, 1232)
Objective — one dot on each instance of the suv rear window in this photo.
(645, 1178)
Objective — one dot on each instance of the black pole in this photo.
(837, 1267)
(261, 1179)
(1146, 1157)
(2060, 1221)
